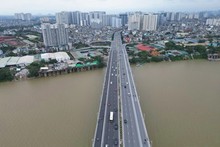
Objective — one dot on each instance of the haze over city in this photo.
(110, 6)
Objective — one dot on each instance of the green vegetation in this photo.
(201, 41)
(143, 56)
(131, 45)
(140, 57)
(5, 75)
(52, 61)
(198, 49)
(22, 33)
(34, 68)
(197, 52)
(106, 43)
(156, 59)
(82, 59)
(146, 42)
(113, 36)
(32, 52)
(105, 51)
(122, 39)
(172, 46)
(212, 36)
(212, 50)
(100, 61)
(80, 45)
(176, 58)
(11, 54)
(8, 48)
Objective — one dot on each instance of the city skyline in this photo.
(113, 6)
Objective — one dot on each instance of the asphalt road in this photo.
(119, 83)
(107, 132)
(134, 129)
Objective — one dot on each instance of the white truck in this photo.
(111, 116)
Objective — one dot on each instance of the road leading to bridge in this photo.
(107, 132)
(134, 129)
(119, 83)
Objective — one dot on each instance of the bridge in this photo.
(120, 121)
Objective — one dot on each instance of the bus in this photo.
(111, 116)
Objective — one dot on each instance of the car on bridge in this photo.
(116, 126)
(116, 141)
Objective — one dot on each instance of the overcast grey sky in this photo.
(10, 7)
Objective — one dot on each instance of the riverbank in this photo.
(49, 73)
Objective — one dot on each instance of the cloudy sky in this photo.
(9, 7)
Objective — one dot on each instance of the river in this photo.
(180, 101)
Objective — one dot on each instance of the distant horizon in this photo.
(108, 12)
(45, 7)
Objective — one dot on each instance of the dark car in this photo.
(125, 121)
(116, 126)
(145, 141)
(124, 86)
(116, 141)
(115, 109)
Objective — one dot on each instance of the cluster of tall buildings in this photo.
(150, 21)
(23, 16)
(140, 21)
(213, 22)
(55, 35)
(177, 16)
(95, 19)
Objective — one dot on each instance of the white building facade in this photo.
(55, 34)
(134, 21)
(150, 22)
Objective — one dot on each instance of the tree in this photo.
(11, 54)
(8, 48)
(201, 41)
(100, 61)
(156, 59)
(82, 59)
(176, 58)
(170, 45)
(189, 49)
(143, 56)
(34, 69)
(113, 36)
(200, 48)
(80, 45)
(32, 52)
(5, 75)
(211, 41)
(52, 61)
